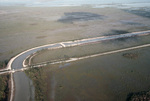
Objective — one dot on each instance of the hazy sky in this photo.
(76, 0)
(70, 2)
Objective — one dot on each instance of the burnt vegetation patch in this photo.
(126, 39)
(121, 41)
(144, 12)
(119, 32)
(116, 32)
(79, 16)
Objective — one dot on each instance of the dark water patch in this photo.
(144, 12)
(139, 96)
(115, 32)
(79, 16)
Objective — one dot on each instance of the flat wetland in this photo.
(110, 77)
(88, 49)
(103, 78)
(22, 28)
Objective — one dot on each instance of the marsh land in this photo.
(26, 27)
(101, 78)
(111, 77)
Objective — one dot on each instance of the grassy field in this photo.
(22, 28)
(95, 79)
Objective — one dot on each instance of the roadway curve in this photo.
(17, 61)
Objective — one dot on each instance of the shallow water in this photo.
(24, 89)
(108, 78)
(104, 78)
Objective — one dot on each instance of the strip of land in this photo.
(75, 59)
(10, 68)
(16, 63)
